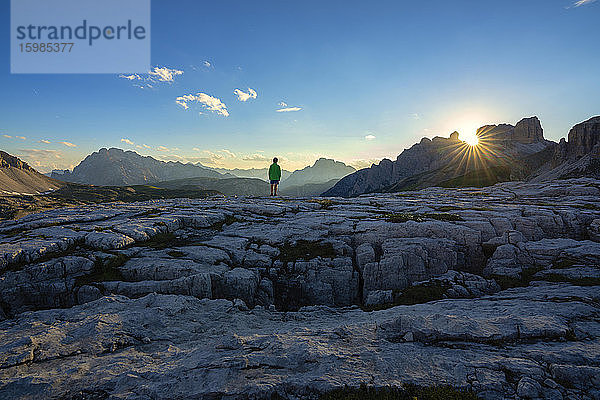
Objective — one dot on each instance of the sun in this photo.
(470, 139)
(467, 125)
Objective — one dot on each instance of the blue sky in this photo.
(361, 81)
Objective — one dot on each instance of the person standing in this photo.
(274, 176)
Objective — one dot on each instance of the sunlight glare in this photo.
(470, 139)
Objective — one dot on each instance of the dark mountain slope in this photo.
(17, 177)
(431, 162)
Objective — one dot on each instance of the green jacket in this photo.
(274, 172)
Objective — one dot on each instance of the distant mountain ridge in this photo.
(259, 173)
(116, 167)
(17, 177)
(505, 152)
(322, 171)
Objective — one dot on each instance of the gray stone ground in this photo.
(243, 297)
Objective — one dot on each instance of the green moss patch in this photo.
(161, 241)
(587, 281)
(418, 294)
(447, 208)
(305, 250)
(229, 219)
(404, 217)
(104, 271)
(563, 263)
(507, 282)
(324, 203)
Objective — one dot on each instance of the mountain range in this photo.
(116, 167)
(323, 170)
(504, 153)
(259, 173)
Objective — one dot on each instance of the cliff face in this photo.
(528, 130)
(577, 157)
(584, 138)
(448, 157)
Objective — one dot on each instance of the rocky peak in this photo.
(323, 170)
(528, 130)
(584, 137)
(8, 161)
(454, 136)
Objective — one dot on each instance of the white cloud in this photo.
(243, 96)
(42, 154)
(171, 157)
(68, 144)
(7, 136)
(183, 100)
(154, 76)
(46, 160)
(207, 64)
(133, 77)
(289, 109)
(212, 158)
(284, 107)
(164, 74)
(582, 3)
(162, 148)
(370, 137)
(415, 116)
(256, 157)
(125, 140)
(363, 163)
(209, 103)
(229, 153)
(21, 137)
(45, 141)
(146, 146)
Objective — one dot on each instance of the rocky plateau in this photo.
(493, 291)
